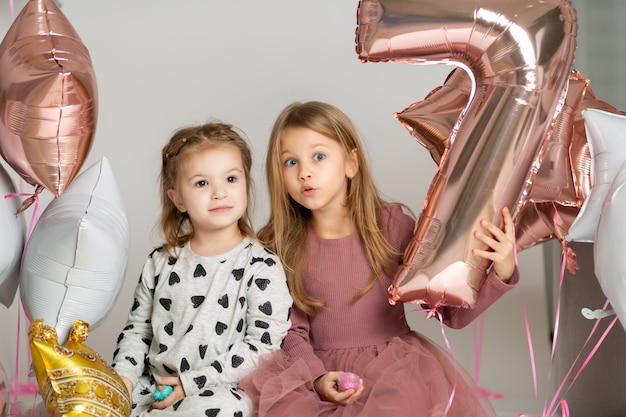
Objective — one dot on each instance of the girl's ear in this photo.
(178, 202)
(352, 163)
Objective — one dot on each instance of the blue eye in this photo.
(290, 162)
(319, 156)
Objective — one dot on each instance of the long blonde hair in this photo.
(176, 226)
(286, 230)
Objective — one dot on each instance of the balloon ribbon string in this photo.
(551, 411)
(552, 408)
(17, 389)
(434, 312)
(33, 218)
(563, 403)
(30, 387)
(478, 333)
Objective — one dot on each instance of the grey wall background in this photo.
(162, 64)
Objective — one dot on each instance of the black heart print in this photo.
(236, 361)
(238, 274)
(166, 303)
(199, 272)
(262, 283)
(217, 366)
(184, 365)
(197, 300)
(266, 308)
(261, 324)
(200, 381)
(174, 278)
(220, 327)
(223, 301)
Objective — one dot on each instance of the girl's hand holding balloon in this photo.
(501, 241)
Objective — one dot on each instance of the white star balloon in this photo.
(606, 136)
(75, 260)
(13, 232)
(610, 246)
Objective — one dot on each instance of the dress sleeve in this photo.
(134, 341)
(267, 323)
(400, 228)
(297, 343)
(493, 288)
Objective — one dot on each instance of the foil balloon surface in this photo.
(519, 56)
(610, 246)
(48, 97)
(563, 179)
(606, 134)
(73, 379)
(13, 232)
(75, 260)
(431, 121)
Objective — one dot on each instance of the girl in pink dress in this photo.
(340, 244)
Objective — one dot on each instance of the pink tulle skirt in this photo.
(407, 376)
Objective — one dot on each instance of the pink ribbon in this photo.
(432, 312)
(551, 409)
(30, 387)
(478, 332)
(33, 217)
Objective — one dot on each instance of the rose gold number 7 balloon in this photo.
(519, 54)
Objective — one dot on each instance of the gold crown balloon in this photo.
(74, 380)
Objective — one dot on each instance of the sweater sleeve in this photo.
(134, 341)
(400, 228)
(297, 344)
(493, 288)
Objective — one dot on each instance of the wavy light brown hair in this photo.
(286, 230)
(176, 226)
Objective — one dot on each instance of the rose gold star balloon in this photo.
(518, 54)
(48, 97)
(563, 180)
(431, 121)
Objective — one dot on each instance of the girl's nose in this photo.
(219, 194)
(304, 173)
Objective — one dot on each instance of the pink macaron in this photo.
(348, 380)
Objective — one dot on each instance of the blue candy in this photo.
(162, 392)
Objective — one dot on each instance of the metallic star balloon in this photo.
(48, 97)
